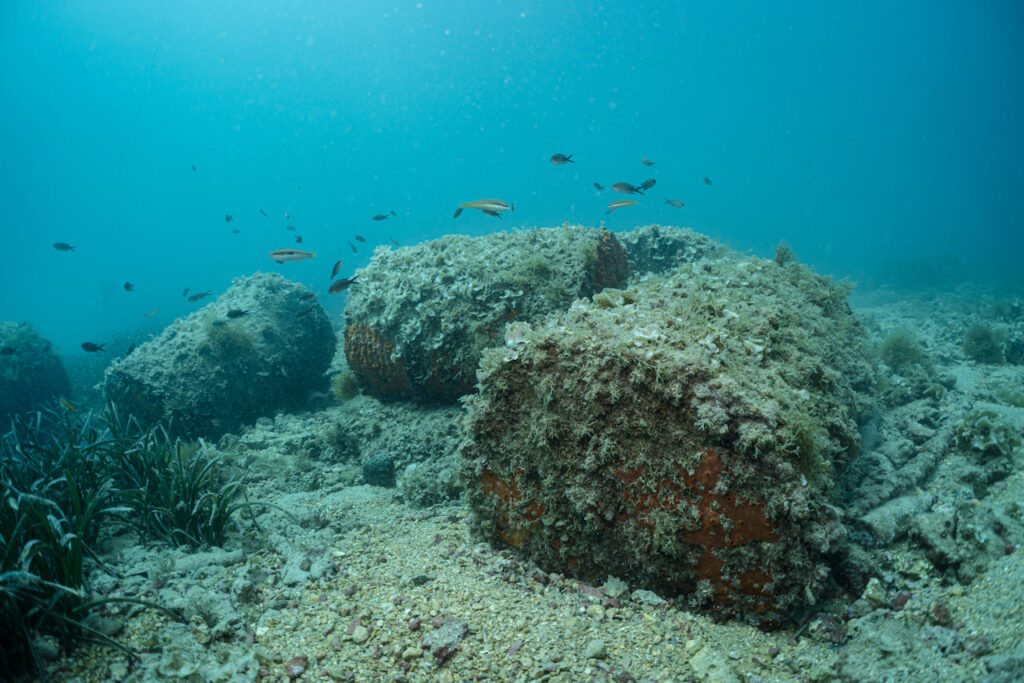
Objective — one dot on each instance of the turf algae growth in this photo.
(416, 326)
(209, 373)
(682, 433)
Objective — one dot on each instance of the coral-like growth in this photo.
(784, 254)
(345, 386)
(901, 350)
(983, 344)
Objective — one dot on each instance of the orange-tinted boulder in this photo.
(682, 435)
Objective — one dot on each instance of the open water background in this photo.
(881, 140)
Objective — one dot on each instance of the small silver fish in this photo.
(619, 203)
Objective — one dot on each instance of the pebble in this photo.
(595, 650)
(874, 592)
(411, 653)
(360, 634)
(294, 667)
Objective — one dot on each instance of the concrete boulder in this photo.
(261, 347)
(420, 317)
(32, 374)
(681, 434)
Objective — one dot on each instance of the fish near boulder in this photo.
(675, 434)
(283, 255)
(242, 356)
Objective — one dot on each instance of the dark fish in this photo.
(561, 159)
(264, 213)
(92, 348)
(298, 239)
(131, 348)
(626, 188)
(304, 312)
(236, 313)
(306, 296)
(488, 212)
(384, 216)
(648, 184)
(219, 323)
(458, 212)
(289, 227)
(343, 284)
(360, 238)
(199, 295)
(228, 218)
(336, 269)
(236, 231)
(354, 250)
(63, 246)
(646, 162)
(599, 187)
(185, 293)
(675, 202)
(707, 181)
(193, 168)
(394, 241)
(7, 351)
(129, 287)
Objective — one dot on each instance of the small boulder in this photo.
(261, 347)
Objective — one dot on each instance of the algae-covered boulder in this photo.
(421, 315)
(31, 371)
(680, 434)
(261, 347)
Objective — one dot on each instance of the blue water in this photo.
(866, 135)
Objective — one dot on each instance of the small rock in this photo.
(444, 641)
(709, 665)
(595, 650)
(411, 653)
(360, 634)
(875, 593)
(294, 667)
(646, 597)
(379, 470)
(118, 671)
